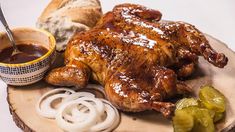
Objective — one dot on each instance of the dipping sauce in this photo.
(29, 52)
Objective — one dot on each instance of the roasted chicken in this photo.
(136, 57)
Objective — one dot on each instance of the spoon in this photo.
(9, 34)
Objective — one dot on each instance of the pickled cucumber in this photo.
(182, 121)
(203, 122)
(186, 102)
(192, 115)
(212, 99)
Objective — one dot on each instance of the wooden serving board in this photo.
(22, 100)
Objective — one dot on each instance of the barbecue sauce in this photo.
(28, 53)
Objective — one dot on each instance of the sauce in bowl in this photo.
(29, 52)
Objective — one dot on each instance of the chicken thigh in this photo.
(136, 57)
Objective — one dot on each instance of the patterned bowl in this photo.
(32, 71)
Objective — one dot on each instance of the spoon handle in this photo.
(9, 33)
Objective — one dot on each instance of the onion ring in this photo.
(98, 104)
(43, 106)
(79, 111)
(77, 114)
(46, 106)
(76, 126)
(109, 120)
(78, 95)
(117, 119)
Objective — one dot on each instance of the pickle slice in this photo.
(199, 115)
(212, 99)
(182, 121)
(203, 121)
(186, 102)
(212, 113)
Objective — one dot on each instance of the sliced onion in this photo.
(77, 114)
(79, 111)
(117, 118)
(109, 120)
(97, 102)
(44, 105)
(115, 124)
(76, 126)
(75, 96)
(58, 90)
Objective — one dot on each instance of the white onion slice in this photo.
(99, 105)
(77, 95)
(77, 113)
(44, 106)
(76, 126)
(109, 120)
(58, 90)
(117, 118)
(115, 123)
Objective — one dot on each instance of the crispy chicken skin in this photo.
(136, 57)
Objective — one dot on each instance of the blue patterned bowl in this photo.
(32, 71)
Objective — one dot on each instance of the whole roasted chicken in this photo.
(136, 57)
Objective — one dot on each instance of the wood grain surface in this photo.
(22, 100)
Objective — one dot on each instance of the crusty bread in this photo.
(65, 17)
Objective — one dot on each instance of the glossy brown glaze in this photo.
(136, 57)
(28, 53)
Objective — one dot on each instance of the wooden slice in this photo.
(22, 100)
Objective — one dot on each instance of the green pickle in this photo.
(192, 115)
(186, 102)
(202, 120)
(182, 121)
(212, 99)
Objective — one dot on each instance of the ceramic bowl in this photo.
(32, 71)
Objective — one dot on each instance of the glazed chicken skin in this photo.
(136, 57)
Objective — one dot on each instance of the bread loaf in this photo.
(63, 18)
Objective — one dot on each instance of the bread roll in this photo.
(63, 18)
